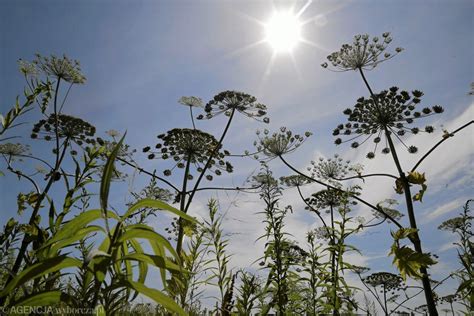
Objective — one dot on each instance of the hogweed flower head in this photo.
(329, 198)
(390, 281)
(228, 101)
(183, 145)
(11, 149)
(323, 233)
(279, 143)
(62, 68)
(28, 68)
(73, 128)
(294, 180)
(359, 269)
(191, 101)
(330, 169)
(363, 53)
(391, 111)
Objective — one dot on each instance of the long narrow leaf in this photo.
(160, 205)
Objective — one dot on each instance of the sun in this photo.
(283, 31)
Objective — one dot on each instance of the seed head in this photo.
(191, 101)
(362, 53)
(244, 103)
(183, 145)
(73, 128)
(279, 143)
(391, 111)
(61, 68)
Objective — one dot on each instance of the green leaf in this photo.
(416, 177)
(155, 295)
(80, 234)
(143, 231)
(107, 175)
(39, 269)
(160, 205)
(409, 262)
(72, 227)
(156, 261)
(403, 233)
(48, 298)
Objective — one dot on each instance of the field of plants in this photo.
(72, 246)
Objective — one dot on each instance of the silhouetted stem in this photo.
(439, 143)
(198, 181)
(154, 176)
(214, 152)
(367, 176)
(411, 214)
(308, 205)
(415, 237)
(342, 191)
(25, 242)
(191, 114)
(181, 208)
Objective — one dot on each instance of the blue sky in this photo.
(140, 57)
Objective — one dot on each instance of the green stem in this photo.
(411, 216)
(333, 263)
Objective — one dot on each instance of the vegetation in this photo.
(77, 253)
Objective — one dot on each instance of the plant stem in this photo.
(182, 206)
(191, 114)
(411, 216)
(25, 242)
(439, 143)
(214, 152)
(342, 191)
(198, 181)
(333, 264)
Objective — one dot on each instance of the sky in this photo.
(140, 57)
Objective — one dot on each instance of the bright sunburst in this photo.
(283, 31)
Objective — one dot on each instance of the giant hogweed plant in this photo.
(34, 275)
(384, 118)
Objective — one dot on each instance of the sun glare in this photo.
(283, 31)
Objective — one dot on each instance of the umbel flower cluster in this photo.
(190, 145)
(61, 68)
(191, 101)
(11, 149)
(363, 53)
(295, 180)
(391, 112)
(330, 198)
(227, 101)
(330, 169)
(72, 128)
(279, 143)
(390, 281)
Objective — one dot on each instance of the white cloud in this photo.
(443, 209)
